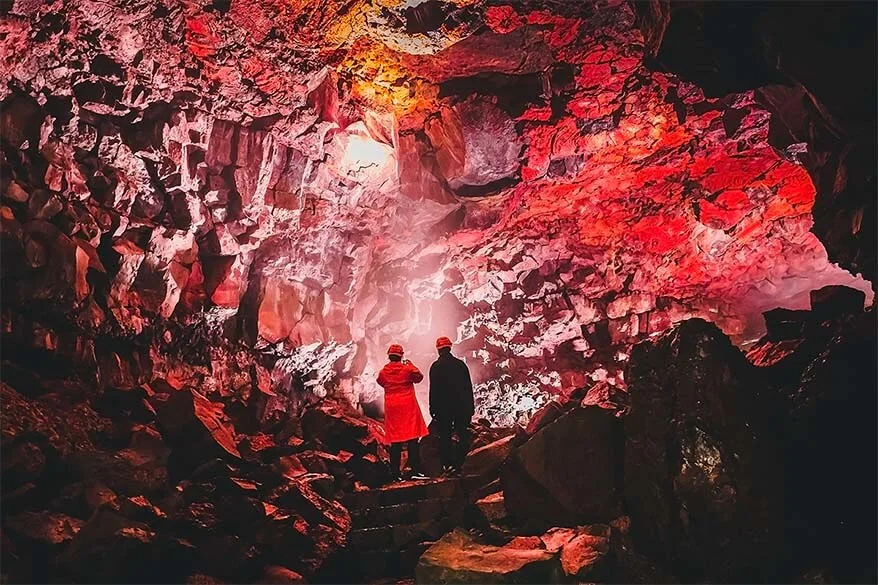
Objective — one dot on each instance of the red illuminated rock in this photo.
(252, 200)
(261, 182)
(475, 142)
(586, 556)
(336, 426)
(48, 529)
(281, 575)
(458, 558)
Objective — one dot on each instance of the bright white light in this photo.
(362, 152)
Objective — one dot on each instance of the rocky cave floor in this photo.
(648, 227)
(714, 466)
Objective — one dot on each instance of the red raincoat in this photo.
(403, 420)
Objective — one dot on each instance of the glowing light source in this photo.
(363, 152)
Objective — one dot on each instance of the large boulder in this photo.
(126, 471)
(476, 143)
(609, 397)
(338, 427)
(196, 429)
(459, 558)
(482, 465)
(300, 496)
(831, 447)
(110, 548)
(42, 528)
(702, 481)
(566, 473)
(831, 302)
(544, 415)
(584, 551)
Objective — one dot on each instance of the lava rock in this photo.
(110, 548)
(22, 462)
(43, 527)
(368, 469)
(702, 483)
(482, 465)
(125, 472)
(549, 412)
(492, 508)
(475, 142)
(195, 429)
(585, 556)
(828, 438)
(276, 575)
(458, 558)
(339, 428)
(300, 496)
(783, 324)
(566, 473)
(831, 302)
(609, 397)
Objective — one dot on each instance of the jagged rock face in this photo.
(812, 69)
(344, 175)
(725, 456)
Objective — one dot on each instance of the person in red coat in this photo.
(403, 421)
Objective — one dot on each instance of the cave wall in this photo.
(812, 66)
(314, 183)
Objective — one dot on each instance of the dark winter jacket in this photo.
(451, 389)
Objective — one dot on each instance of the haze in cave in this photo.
(646, 227)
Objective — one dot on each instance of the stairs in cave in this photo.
(394, 524)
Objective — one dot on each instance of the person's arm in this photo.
(415, 374)
(433, 391)
(382, 381)
(468, 388)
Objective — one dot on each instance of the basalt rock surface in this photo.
(93, 496)
(229, 195)
(805, 65)
(725, 457)
(215, 216)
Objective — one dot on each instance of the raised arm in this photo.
(415, 374)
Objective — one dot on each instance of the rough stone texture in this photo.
(485, 461)
(702, 479)
(808, 67)
(567, 472)
(215, 214)
(830, 402)
(458, 558)
(709, 475)
(299, 178)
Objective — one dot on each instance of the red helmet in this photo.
(395, 349)
(443, 342)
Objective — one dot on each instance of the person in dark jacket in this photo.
(451, 404)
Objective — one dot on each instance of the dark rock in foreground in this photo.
(702, 481)
(566, 473)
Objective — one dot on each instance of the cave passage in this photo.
(647, 228)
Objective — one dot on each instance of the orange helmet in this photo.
(443, 342)
(395, 349)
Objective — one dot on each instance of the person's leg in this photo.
(395, 456)
(461, 425)
(414, 451)
(445, 454)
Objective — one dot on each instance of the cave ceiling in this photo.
(352, 173)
